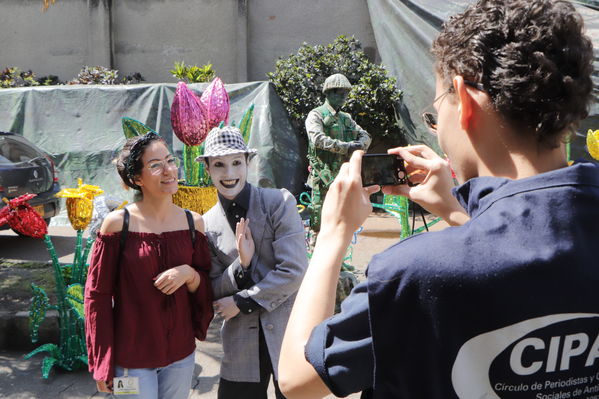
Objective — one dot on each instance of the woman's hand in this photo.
(433, 175)
(244, 242)
(104, 386)
(170, 280)
(226, 307)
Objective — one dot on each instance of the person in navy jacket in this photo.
(502, 304)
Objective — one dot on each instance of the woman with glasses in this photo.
(148, 295)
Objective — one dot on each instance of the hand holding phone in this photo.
(434, 183)
(383, 170)
(347, 203)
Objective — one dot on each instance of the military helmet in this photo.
(336, 81)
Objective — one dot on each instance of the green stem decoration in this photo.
(398, 206)
(192, 168)
(403, 217)
(205, 180)
(52, 252)
(76, 269)
(83, 270)
(71, 352)
(423, 228)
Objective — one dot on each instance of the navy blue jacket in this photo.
(506, 306)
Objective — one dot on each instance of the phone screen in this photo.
(383, 170)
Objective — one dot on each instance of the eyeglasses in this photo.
(430, 118)
(158, 167)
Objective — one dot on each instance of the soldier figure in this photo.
(333, 136)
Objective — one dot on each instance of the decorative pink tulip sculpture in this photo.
(216, 101)
(189, 117)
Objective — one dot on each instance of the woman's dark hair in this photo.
(531, 56)
(129, 163)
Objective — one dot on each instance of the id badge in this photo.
(125, 385)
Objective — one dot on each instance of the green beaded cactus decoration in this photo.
(71, 352)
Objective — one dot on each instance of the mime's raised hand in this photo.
(244, 242)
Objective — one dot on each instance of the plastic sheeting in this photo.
(81, 127)
(404, 31)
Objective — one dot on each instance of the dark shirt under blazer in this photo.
(235, 210)
(277, 267)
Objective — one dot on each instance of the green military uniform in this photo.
(330, 134)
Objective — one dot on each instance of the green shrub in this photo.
(298, 80)
(193, 73)
(95, 75)
(133, 78)
(99, 75)
(14, 77)
(50, 80)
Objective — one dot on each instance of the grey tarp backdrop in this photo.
(404, 31)
(81, 127)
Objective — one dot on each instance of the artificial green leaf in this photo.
(52, 349)
(74, 297)
(246, 123)
(83, 359)
(133, 128)
(37, 311)
(47, 365)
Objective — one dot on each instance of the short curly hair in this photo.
(128, 163)
(532, 58)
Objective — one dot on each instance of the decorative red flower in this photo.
(453, 175)
(189, 116)
(4, 215)
(22, 218)
(216, 101)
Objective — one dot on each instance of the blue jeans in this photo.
(169, 382)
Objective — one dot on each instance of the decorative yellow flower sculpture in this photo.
(593, 143)
(80, 203)
(47, 4)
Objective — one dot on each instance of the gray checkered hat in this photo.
(223, 141)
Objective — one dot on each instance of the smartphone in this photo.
(383, 170)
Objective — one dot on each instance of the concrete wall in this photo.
(53, 42)
(241, 38)
(150, 35)
(279, 27)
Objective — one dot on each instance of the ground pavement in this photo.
(21, 379)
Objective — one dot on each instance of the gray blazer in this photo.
(277, 268)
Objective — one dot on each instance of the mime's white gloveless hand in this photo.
(244, 242)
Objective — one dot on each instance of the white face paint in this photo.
(229, 174)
